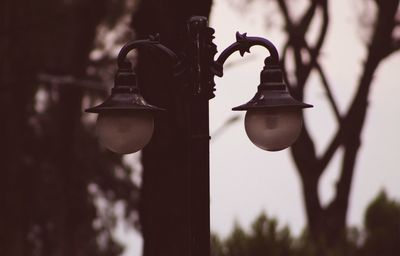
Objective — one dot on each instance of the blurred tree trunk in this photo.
(327, 224)
(45, 207)
(164, 211)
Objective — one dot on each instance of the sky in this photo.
(246, 180)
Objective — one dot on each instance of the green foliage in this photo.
(264, 238)
(382, 224)
(380, 236)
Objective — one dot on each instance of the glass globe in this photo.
(273, 129)
(125, 132)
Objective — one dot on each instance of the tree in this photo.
(264, 238)
(52, 171)
(327, 224)
(379, 236)
(382, 227)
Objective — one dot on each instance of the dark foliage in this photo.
(382, 227)
(264, 238)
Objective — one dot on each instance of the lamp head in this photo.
(125, 123)
(125, 96)
(273, 120)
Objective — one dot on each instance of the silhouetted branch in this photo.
(283, 63)
(307, 18)
(327, 87)
(315, 51)
(325, 83)
(327, 224)
(285, 12)
(331, 149)
(305, 148)
(355, 117)
(324, 28)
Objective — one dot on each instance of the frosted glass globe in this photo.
(273, 129)
(126, 132)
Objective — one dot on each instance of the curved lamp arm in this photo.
(243, 44)
(152, 42)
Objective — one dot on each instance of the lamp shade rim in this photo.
(100, 108)
(267, 99)
(124, 102)
(247, 106)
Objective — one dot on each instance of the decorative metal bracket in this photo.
(243, 44)
(199, 55)
(152, 42)
(197, 66)
(201, 66)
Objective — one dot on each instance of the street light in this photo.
(273, 120)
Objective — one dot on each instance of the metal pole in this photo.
(200, 53)
(199, 177)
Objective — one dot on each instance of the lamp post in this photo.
(125, 123)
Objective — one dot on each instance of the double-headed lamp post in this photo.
(125, 122)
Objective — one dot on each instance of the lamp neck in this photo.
(272, 79)
(125, 81)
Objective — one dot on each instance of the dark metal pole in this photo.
(200, 53)
(199, 177)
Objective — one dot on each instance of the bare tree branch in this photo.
(326, 85)
(329, 222)
(325, 21)
(283, 63)
(355, 117)
(328, 90)
(285, 12)
(331, 149)
(315, 51)
(307, 17)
